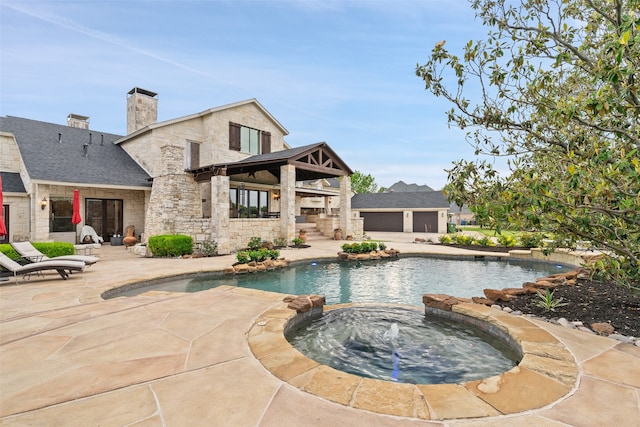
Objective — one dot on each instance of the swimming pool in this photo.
(402, 280)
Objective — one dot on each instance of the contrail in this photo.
(105, 37)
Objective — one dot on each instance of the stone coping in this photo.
(546, 373)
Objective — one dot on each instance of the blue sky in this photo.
(336, 71)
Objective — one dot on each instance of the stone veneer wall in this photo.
(175, 200)
(19, 217)
(9, 154)
(242, 230)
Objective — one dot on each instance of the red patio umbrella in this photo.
(3, 229)
(76, 218)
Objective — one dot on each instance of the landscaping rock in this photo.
(496, 295)
(305, 303)
(440, 301)
(602, 328)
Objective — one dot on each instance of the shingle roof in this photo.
(12, 183)
(402, 200)
(48, 159)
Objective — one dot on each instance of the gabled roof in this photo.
(312, 161)
(60, 153)
(202, 114)
(402, 200)
(12, 183)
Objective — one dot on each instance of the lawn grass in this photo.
(489, 232)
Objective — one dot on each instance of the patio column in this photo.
(288, 202)
(220, 213)
(345, 205)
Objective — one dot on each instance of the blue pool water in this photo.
(402, 280)
(402, 345)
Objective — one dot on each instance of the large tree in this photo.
(361, 183)
(554, 87)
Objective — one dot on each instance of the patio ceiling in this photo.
(312, 162)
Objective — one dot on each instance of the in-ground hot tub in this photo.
(403, 344)
(546, 372)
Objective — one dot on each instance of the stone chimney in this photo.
(142, 109)
(78, 121)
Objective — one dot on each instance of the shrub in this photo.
(532, 240)
(507, 241)
(257, 255)
(207, 248)
(50, 249)
(297, 241)
(9, 251)
(243, 257)
(462, 239)
(280, 241)
(382, 246)
(485, 241)
(360, 248)
(165, 245)
(54, 249)
(445, 239)
(255, 243)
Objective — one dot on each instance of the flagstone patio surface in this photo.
(68, 357)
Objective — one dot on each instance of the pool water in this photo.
(402, 345)
(403, 280)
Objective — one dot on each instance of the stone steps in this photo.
(313, 233)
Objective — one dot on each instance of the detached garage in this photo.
(409, 212)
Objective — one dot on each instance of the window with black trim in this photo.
(245, 203)
(61, 214)
(248, 140)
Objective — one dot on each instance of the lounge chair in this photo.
(88, 231)
(61, 266)
(27, 251)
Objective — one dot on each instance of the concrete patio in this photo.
(67, 357)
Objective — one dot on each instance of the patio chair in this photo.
(27, 251)
(61, 266)
(88, 231)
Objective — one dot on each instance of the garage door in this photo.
(382, 221)
(425, 222)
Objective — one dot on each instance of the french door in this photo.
(105, 216)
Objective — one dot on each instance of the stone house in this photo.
(225, 174)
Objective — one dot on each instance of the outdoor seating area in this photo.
(28, 252)
(63, 267)
(68, 356)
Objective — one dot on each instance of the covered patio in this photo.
(258, 196)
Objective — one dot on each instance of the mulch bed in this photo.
(590, 302)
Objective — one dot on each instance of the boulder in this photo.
(496, 295)
(484, 301)
(241, 268)
(229, 270)
(304, 303)
(515, 291)
(602, 328)
(440, 301)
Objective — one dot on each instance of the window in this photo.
(61, 214)
(248, 140)
(245, 203)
